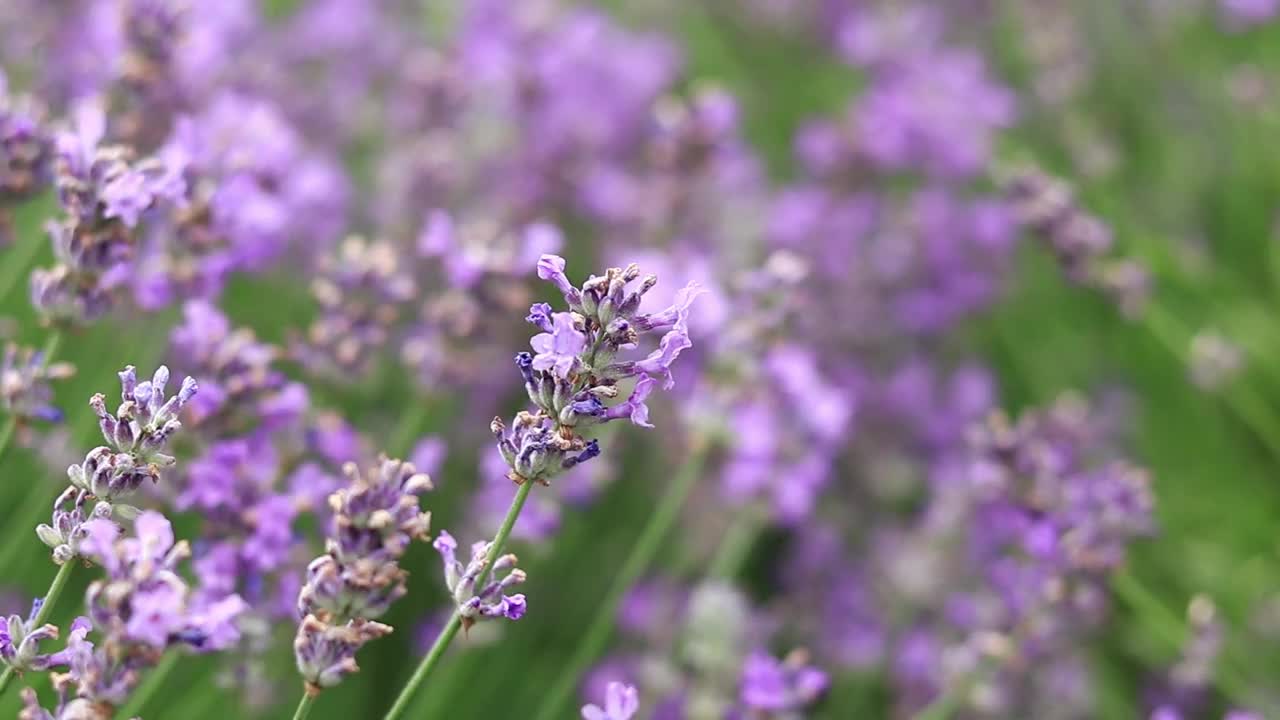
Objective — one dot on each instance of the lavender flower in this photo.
(239, 386)
(104, 193)
(252, 186)
(536, 451)
(490, 601)
(141, 609)
(1078, 239)
(621, 702)
(576, 367)
(24, 384)
(375, 518)
(558, 348)
(152, 31)
(26, 152)
(66, 531)
(326, 653)
(781, 689)
(144, 603)
(361, 292)
(20, 642)
(1242, 14)
(136, 435)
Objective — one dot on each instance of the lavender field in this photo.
(639, 359)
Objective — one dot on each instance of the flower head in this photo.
(375, 518)
(621, 702)
(144, 602)
(137, 435)
(536, 451)
(773, 686)
(559, 349)
(326, 653)
(25, 377)
(20, 641)
(490, 601)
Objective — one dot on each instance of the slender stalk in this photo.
(304, 705)
(426, 666)
(1165, 327)
(36, 501)
(51, 345)
(455, 622)
(736, 545)
(50, 599)
(155, 679)
(402, 436)
(946, 704)
(642, 554)
(17, 261)
(1165, 625)
(6, 432)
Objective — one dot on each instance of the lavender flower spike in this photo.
(536, 451)
(778, 687)
(144, 603)
(20, 641)
(326, 654)
(24, 384)
(146, 418)
(621, 702)
(490, 602)
(136, 437)
(375, 518)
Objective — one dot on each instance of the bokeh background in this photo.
(1161, 114)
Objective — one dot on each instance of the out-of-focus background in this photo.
(859, 205)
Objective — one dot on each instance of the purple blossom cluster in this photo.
(26, 392)
(1080, 241)
(140, 610)
(20, 642)
(26, 154)
(358, 578)
(490, 599)
(415, 183)
(137, 436)
(143, 607)
(709, 662)
(104, 192)
(621, 702)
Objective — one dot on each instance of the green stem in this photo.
(1257, 416)
(51, 345)
(403, 435)
(155, 679)
(304, 705)
(736, 545)
(947, 703)
(455, 623)
(13, 268)
(6, 432)
(1165, 625)
(36, 500)
(428, 664)
(50, 599)
(642, 554)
